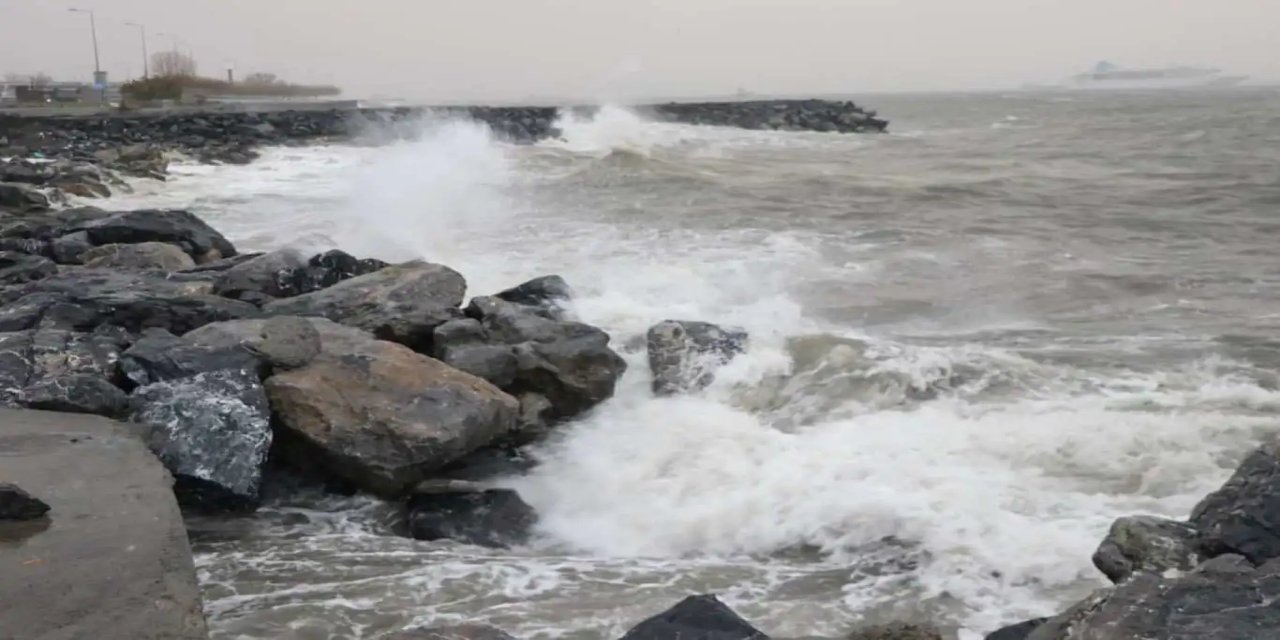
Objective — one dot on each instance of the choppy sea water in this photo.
(975, 342)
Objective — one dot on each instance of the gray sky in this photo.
(620, 49)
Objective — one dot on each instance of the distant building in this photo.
(21, 93)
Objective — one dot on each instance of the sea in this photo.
(975, 342)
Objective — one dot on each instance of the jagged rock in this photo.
(326, 269)
(219, 266)
(459, 632)
(684, 354)
(141, 256)
(548, 294)
(159, 356)
(280, 342)
(212, 431)
(77, 393)
(1244, 515)
(701, 617)
(21, 197)
(1020, 631)
(89, 298)
(262, 279)
(1146, 544)
(467, 512)
(379, 416)
(1222, 599)
(16, 268)
(402, 303)
(181, 228)
(896, 631)
(17, 504)
(534, 420)
(70, 249)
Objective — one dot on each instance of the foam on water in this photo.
(973, 478)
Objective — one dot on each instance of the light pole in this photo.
(146, 70)
(93, 29)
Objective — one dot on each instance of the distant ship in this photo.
(1108, 76)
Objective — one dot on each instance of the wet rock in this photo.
(467, 512)
(684, 354)
(701, 617)
(159, 356)
(219, 266)
(262, 279)
(76, 393)
(1244, 515)
(181, 228)
(547, 294)
(141, 256)
(326, 269)
(1224, 599)
(17, 504)
(535, 418)
(21, 197)
(88, 298)
(16, 268)
(379, 416)
(896, 631)
(70, 249)
(281, 343)
(213, 432)
(1020, 631)
(459, 632)
(1146, 544)
(402, 303)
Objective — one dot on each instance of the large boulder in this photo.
(142, 256)
(22, 197)
(197, 239)
(382, 417)
(76, 393)
(1146, 544)
(402, 303)
(280, 343)
(159, 356)
(701, 617)
(213, 432)
(1223, 599)
(87, 298)
(262, 279)
(548, 294)
(684, 354)
(62, 370)
(1244, 515)
(17, 268)
(17, 504)
(470, 513)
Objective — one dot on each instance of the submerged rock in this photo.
(381, 417)
(402, 303)
(701, 617)
(896, 631)
(213, 432)
(1244, 515)
(1146, 544)
(684, 354)
(470, 513)
(142, 256)
(17, 504)
(459, 632)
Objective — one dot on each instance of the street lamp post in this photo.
(146, 69)
(93, 29)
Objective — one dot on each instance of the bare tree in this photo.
(262, 79)
(173, 63)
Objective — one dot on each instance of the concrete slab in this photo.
(110, 561)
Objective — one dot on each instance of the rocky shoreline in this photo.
(388, 379)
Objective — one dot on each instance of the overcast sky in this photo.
(620, 49)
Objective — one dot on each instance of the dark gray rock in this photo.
(402, 303)
(684, 354)
(1146, 544)
(896, 631)
(496, 363)
(141, 256)
(88, 298)
(1244, 515)
(76, 393)
(287, 343)
(22, 197)
(70, 248)
(262, 279)
(17, 268)
(181, 228)
(326, 269)
(459, 632)
(159, 356)
(16, 504)
(1020, 631)
(213, 432)
(1223, 599)
(547, 294)
(535, 418)
(470, 513)
(701, 617)
(379, 416)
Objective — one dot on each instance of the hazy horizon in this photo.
(509, 50)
